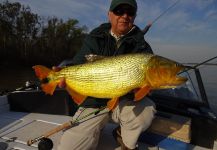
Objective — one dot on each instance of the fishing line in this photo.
(201, 67)
(205, 66)
(204, 62)
(165, 11)
(192, 83)
(147, 27)
(79, 112)
(197, 65)
(194, 67)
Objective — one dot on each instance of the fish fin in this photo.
(49, 88)
(111, 104)
(93, 57)
(41, 71)
(142, 92)
(77, 98)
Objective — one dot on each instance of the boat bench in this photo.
(168, 127)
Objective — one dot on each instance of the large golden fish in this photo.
(112, 77)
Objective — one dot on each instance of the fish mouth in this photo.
(174, 83)
(180, 79)
(177, 81)
(180, 68)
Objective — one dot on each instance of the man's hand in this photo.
(62, 82)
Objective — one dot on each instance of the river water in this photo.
(209, 76)
(13, 77)
(210, 81)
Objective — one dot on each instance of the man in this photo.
(120, 36)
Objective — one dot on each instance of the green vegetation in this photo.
(28, 39)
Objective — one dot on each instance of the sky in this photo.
(187, 32)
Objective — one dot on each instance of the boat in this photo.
(184, 119)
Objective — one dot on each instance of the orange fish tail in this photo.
(49, 88)
(42, 73)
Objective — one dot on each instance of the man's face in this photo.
(122, 19)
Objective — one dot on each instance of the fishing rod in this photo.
(203, 63)
(165, 11)
(206, 64)
(187, 68)
(46, 143)
(197, 65)
(147, 27)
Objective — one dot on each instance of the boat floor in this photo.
(16, 128)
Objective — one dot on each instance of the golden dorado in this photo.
(112, 77)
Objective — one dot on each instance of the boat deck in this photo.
(16, 128)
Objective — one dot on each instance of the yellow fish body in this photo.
(112, 77)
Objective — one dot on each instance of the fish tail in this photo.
(42, 72)
(49, 88)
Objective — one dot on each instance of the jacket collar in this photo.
(104, 30)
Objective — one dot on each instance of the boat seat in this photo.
(168, 126)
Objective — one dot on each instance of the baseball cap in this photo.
(116, 3)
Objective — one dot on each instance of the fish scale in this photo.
(102, 77)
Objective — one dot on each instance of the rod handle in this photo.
(51, 132)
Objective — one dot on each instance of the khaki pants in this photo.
(133, 117)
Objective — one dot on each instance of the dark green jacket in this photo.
(100, 42)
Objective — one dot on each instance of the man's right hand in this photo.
(62, 82)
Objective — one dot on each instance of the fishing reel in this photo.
(45, 144)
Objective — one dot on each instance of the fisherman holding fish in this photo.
(119, 36)
(125, 104)
(109, 78)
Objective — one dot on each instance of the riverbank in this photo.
(15, 76)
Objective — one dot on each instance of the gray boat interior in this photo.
(27, 118)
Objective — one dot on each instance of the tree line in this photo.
(27, 38)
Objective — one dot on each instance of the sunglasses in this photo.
(122, 11)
